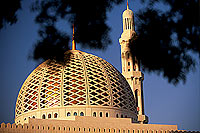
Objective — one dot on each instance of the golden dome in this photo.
(84, 80)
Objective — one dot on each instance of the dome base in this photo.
(66, 113)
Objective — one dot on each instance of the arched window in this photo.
(81, 114)
(107, 114)
(49, 115)
(94, 114)
(68, 114)
(55, 115)
(75, 114)
(43, 116)
(117, 115)
(128, 55)
(100, 114)
(136, 97)
(33, 117)
(130, 24)
(126, 23)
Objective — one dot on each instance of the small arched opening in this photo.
(68, 114)
(94, 114)
(81, 114)
(107, 114)
(75, 113)
(49, 115)
(43, 116)
(117, 115)
(56, 115)
(100, 114)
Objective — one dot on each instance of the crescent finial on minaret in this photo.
(73, 40)
(127, 4)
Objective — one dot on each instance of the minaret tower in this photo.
(130, 65)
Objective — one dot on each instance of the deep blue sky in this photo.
(164, 103)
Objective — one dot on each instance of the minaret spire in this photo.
(73, 41)
(127, 4)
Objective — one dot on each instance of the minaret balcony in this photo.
(133, 74)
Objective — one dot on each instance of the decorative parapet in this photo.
(40, 125)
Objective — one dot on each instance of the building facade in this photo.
(86, 94)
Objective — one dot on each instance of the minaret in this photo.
(130, 65)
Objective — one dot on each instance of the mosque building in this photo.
(86, 94)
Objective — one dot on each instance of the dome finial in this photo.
(127, 4)
(73, 41)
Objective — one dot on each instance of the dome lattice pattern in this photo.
(84, 80)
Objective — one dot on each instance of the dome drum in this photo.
(64, 113)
